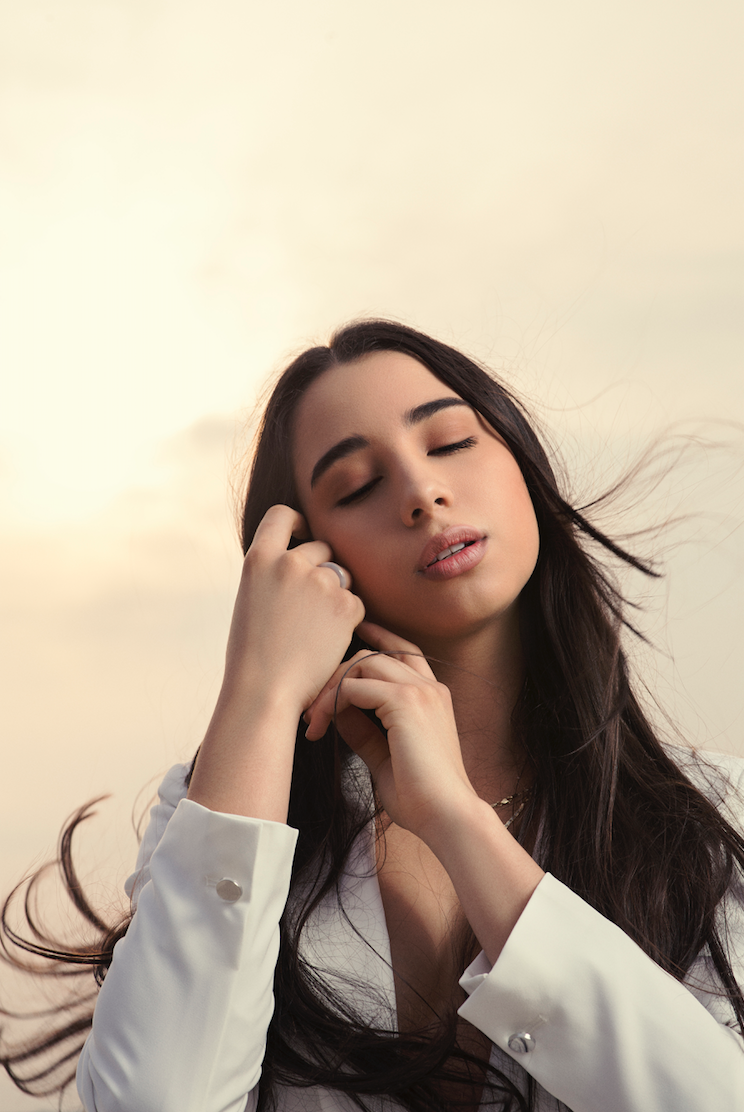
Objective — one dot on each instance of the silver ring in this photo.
(343, 576)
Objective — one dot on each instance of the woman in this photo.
(493, 885)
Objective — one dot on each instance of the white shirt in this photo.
(181, 1019)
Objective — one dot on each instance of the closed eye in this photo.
(356, 495)
(448, 449)
(445, 450)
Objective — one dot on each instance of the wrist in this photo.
(245, 761)
(494, 877)
(465, 819)
(255, 697)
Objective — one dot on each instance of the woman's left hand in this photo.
(421, 780)
(417, 770)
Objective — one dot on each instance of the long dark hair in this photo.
(618, 821)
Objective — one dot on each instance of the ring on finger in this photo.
(343, 576)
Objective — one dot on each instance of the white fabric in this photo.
(181, 1018)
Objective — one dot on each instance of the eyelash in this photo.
(450, 449)
(445, 450)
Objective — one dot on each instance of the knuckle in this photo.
(254, 558)
(293, 561)
(444, 692)
(413, 693)
(351, 607)
(326, 579)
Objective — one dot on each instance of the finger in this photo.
(345, 668)
(377, 637)
(320, 712)
(363, 736)
(275, 532)
(342, 690)
(362, 692)
(277, 527)
(342, 574)
(316, 553)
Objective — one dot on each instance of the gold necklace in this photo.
(522, 796)
(510, 798)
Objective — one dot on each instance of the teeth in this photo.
(449, 552)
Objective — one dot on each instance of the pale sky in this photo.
(192, 191)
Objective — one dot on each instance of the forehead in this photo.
(362, 397)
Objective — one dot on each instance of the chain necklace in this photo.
(519, 797)
(511, 798)
(522, 796)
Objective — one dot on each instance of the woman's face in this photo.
(394, 471)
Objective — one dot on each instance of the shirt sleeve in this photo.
(598, 1023)
(181, 1018)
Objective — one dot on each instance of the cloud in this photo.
(114, 634)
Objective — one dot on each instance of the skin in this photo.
(448, 748)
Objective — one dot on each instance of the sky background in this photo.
(192, 192)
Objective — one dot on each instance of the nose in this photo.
(423, 491)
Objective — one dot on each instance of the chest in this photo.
(400, 935)
(430, 945)
(426, 929)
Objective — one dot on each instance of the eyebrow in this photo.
(351, 444)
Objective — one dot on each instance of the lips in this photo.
(450, 551)
(453, 548)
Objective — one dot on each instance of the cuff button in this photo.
(521, 1042)
(228, 890)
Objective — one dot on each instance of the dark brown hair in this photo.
(619, 822)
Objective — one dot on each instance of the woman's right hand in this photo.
(290, 629)
(292, 621)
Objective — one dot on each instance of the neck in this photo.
(485, 674)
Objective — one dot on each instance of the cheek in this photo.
(528, 536)
(366, 565)
(350, 547)
(318, 523)
(517, 509)
(371, 565)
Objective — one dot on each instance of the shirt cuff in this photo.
(582, 1008)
